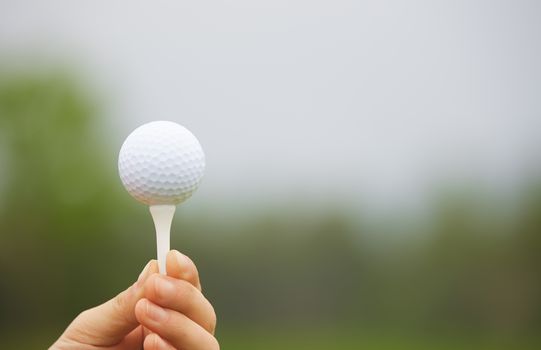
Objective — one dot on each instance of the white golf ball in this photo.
(161, 163)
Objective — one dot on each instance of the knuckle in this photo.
(153, 287)
(83, 315)
(190, 274)
(120, 305)
(119, 302)
(180, 336)
(184, 291)
(150, 284)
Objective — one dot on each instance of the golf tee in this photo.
(162, 215)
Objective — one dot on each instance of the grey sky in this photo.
(362, 99)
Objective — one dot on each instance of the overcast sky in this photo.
(352, 99)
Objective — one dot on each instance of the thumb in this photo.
(108, 323)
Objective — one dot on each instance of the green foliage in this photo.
(59, 201)
(471, 273)
(56, 166)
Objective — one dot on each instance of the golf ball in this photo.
(161, 163)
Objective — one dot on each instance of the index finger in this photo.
(182, 267)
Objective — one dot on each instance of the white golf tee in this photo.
(162, 216)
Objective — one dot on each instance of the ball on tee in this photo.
(161, 163)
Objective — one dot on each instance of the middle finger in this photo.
(183, 297)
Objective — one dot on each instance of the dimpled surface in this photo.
(161, 163)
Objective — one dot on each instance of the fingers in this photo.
(155, 342)
(175, 328)
(182, 267)
(191, 321)
(181, 296)
(109, 323)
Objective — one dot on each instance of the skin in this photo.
(155, 313)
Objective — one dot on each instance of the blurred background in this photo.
(373, 167)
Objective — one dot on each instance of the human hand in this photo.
(157, 312)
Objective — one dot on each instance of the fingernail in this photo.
(155, 312)
(142, 276)
(143, 273)
(181, 259)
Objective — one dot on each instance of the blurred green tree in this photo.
(59, 202)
